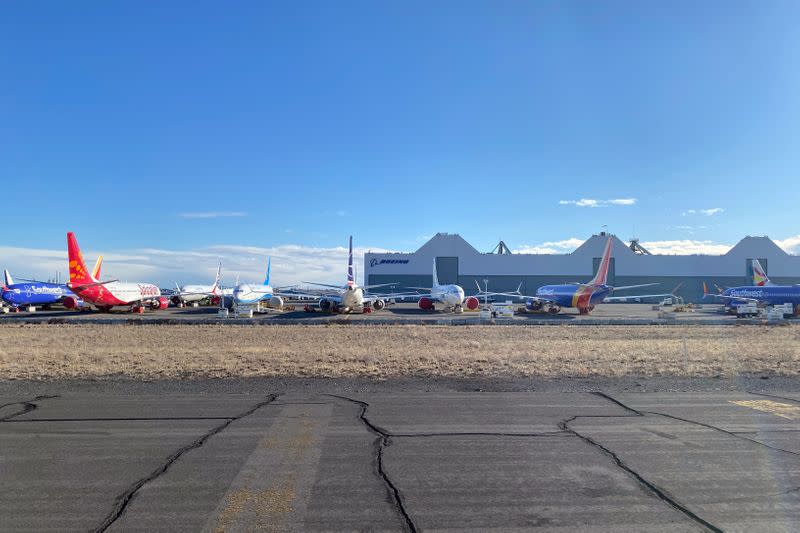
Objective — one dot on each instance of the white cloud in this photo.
(591, 202)
(685, 247)
(790, 244)
(213, 214)
(551, 247)
(710, 212)
(291, 263)
(622, 201)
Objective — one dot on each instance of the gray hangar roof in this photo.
(471, 262)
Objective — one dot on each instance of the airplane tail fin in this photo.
(435, 275)
(269, 267)
(217, 279)
(602, 271)
(351, 281)
(9, 279)
(98, 265)
(707, 293)
(759, 275)
(78, 273)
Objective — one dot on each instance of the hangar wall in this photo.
(457, 259)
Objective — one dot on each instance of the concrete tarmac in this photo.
(400, 461)
(400, 313)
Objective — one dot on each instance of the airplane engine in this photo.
(534, 305)
(71, 302)
(159, 303)
(176, 300)
(325, 305)
(472, 303)
(276, 302)
(215, 300)
(378, 304)
(425, 303)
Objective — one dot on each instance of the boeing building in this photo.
(459, 262)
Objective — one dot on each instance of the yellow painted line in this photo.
(783, 410)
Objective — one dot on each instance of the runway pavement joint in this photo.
(26, 406)
(382, 440)
(125, 498)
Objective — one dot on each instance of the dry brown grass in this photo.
(176, 351)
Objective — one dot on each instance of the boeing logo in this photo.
(374, 262)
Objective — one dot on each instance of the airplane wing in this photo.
(88, 285)
(635, 296)
(372, 297)
(626, 287)
(366, 287)
(736, 298)
(323, 285)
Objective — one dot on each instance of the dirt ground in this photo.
(381, 352)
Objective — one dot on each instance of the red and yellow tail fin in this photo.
(97, 266)
(759, 275)
(78, 273)
(602, 272)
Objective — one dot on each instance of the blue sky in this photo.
(194, 124)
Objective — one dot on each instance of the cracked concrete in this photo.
(599, 461)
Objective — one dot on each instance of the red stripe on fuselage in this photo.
(99, 295)
(582, 297)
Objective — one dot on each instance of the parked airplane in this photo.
(764, 292)
(350, 298)
(107, 294)
(33, 293)
(583, 296)
(451, 296)
(247, 293)
(198, 293)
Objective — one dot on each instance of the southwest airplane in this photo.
(583, 296)
(451, 296)
(107, 294)
(197, 293)
(41, 293)
(350, 297)
(763, 292)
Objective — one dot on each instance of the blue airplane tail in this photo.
(269, 265)
(351, 280)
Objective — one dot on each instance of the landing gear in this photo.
(458, 309)
(553, 309)
(104, 308)
(536, 306)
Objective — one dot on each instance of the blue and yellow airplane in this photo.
(583, 296)
(762, 292)
(32, 293)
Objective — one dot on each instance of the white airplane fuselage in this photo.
(450, 296)
(353, 298)
(195, 293)
(247, 294)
